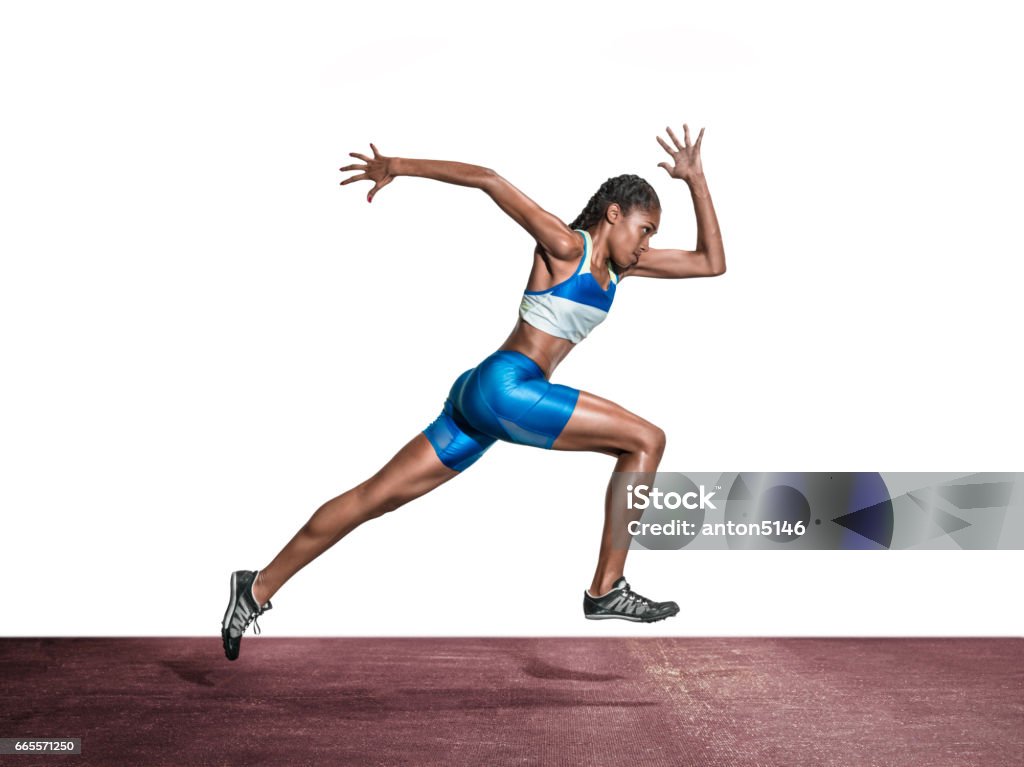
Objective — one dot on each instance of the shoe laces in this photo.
(251, 619)
(632, 596)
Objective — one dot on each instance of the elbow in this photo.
(488, 179)
(716, 263)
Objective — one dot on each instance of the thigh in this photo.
(508, 397)
(600, 425)
(456, 443)
(413, 471)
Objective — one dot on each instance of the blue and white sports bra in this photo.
(574, 307)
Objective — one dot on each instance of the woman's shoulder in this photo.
(568, 248)
(549, 270)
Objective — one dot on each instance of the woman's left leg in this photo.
(600, 425)
(508, 397)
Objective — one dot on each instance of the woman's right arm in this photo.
(547, 229)
(460, 173)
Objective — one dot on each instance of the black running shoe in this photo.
(242, 610)
(622, 602)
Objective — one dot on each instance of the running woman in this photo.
(509, 396)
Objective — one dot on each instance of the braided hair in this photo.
(628, 191)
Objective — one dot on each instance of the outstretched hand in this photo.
(686, 159)
(377, 169)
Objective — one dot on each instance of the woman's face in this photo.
(631, 234)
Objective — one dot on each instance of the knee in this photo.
(364, 502)
(383, 505)
(376, 502)
(652, 440)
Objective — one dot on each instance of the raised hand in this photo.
(686, 159)
(377, 169)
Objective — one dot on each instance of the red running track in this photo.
(519, 701)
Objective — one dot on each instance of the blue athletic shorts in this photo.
(504, 397)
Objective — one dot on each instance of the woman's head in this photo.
(629, 207)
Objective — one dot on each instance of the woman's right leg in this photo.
(447, 447)
(600, 425)
(412, 472)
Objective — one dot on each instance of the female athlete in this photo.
(508, 396)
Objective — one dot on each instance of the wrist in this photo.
(698, 186)
(397, 166)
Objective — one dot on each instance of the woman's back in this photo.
(572, 308)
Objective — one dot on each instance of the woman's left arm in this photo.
(708, 260)
(709, 236)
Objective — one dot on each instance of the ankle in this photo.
(602, 587)
(260, 591)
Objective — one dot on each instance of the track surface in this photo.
(500, 701)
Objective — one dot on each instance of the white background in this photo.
(205, 337)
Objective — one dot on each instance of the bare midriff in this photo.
(543, 348)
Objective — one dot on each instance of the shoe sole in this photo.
(232, 603)
(226, 623)
(224, 640)
(630, 618)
